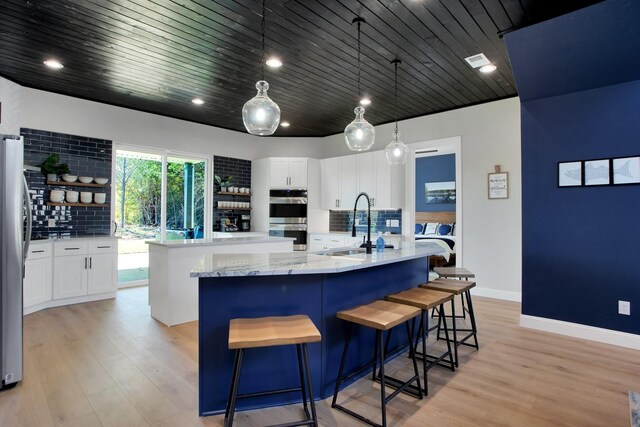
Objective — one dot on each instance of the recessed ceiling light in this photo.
(274, 63)
(285, 124)
(198, 101)
(489, 68)
(365, 101)
(54, 64)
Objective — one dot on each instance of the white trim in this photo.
(497, 294)
(576, 330)
(133, 284)
(68, 301)
(444, 146)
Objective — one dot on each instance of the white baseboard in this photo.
(497, 294)
(576, 330)
(67, 301)
(133, 284)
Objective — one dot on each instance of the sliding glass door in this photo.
(158, 195)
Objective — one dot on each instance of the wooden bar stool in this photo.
(381, 316)
(269, 332)
(425, 300)
(457, 273)
(462, 288)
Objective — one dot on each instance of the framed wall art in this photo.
(626, 170)
(597, 172)
(569, 174)
(498, 185)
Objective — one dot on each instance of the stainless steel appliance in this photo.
(15, 236)
(288, 216)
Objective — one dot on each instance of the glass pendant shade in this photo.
(261, 116)
(359, 134)
(396, 151)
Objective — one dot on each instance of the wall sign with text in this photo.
(499, 185)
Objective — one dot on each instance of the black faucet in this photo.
(353, 229)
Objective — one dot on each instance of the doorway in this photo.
(158, 195)
(441, 201)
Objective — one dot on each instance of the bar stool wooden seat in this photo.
(381, 316)
(268, 332)
(461, 288)
(457, 273)
(425, 300)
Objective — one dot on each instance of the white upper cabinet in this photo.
(339, 182)
(343, 178)
(288, 172)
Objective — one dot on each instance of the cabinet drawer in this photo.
(71, 247)
(103, 246)
(40, 250)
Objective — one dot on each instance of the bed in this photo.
(428, 229)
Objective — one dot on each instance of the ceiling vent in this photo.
(477, 61)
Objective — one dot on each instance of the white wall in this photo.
(490, 135)
(59, 113)
(10, 98)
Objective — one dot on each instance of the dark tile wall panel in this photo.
(86, 157)
(240, 170)
(343, 220)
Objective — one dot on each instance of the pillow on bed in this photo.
(419, 228)
(431, 228)
(444, 230)
(453, 229)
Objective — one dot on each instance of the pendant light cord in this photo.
(262, 29)
(359, 92)
(396, 95)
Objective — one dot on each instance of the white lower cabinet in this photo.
(38, 278)
(69, 272)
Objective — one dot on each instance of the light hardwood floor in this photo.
(109, 363)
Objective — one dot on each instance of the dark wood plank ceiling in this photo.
(156, 55)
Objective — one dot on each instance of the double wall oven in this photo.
(288, 216)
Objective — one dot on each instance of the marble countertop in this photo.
(187, 243)
(267, 264)
(66, 239)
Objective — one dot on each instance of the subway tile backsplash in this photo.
(86, 157)
(343, 220)
(240, 170)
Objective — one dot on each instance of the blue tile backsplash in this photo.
(343, 220)
(86, 157)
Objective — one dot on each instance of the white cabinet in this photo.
(288, 173)
(84, 268)
(323, 242)
(339, 182)
(343, 178)
(38, 279)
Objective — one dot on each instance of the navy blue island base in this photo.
(319, 296)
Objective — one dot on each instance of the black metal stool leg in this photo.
(312, 402)
(375, 357)
(383, 399)
(233, 392)
(455, 333)
(472, 317)
(342, 362)
(446, 336)
(302, 381)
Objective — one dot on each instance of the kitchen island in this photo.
(268, 284)
(173, 295)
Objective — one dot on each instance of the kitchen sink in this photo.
(345, 252)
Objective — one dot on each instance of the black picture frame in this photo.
(632, 177)
(570, 174)
(596, 172)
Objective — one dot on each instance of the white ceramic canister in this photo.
(100, 198)
(71, 196)
(86, 197)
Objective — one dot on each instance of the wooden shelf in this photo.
(226, 193)
(99, 205)
(234, 209)
(77, 184)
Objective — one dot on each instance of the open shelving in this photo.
(78, 204)
(77, 184)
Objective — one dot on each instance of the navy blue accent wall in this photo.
(434, 169)
(580, 245)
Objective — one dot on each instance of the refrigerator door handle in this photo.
(29, 228)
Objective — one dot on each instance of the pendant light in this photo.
(260, 114)
(359, 134)
(396, 151)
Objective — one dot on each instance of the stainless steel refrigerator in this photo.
(15, 234)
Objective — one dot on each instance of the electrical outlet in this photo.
(388, 223)
(394, 222)
(51, 223)
(357, 221)
(624, 307)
